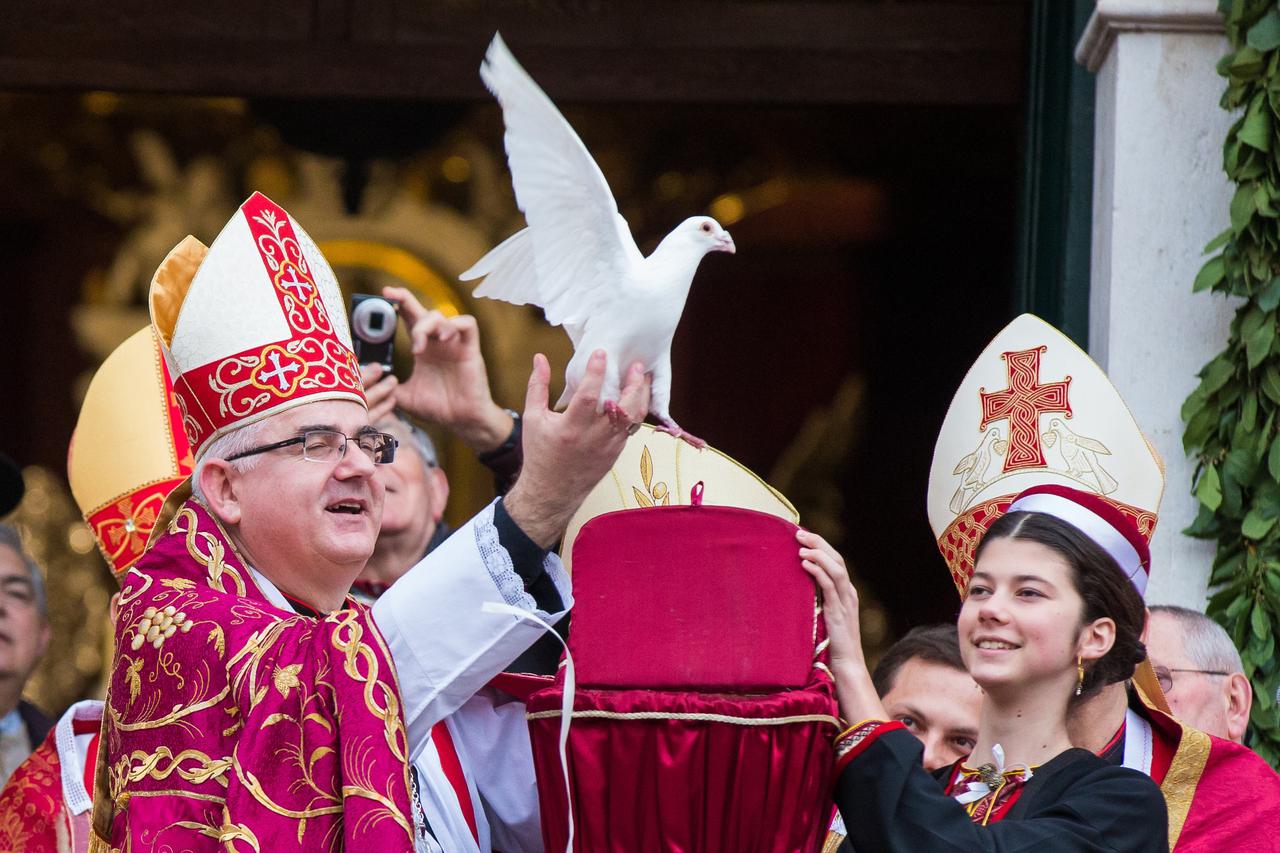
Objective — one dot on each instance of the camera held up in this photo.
(373, 329)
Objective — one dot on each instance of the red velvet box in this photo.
(691, 597)
(704, 715)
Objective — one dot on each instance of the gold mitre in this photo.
(1034, 410)
(655, 469)
(128, 450)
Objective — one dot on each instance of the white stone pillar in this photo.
(1159, 195)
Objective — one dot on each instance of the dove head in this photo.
(705, 233)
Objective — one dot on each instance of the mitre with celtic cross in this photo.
(1034, 410)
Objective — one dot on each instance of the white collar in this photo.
(11, 722)
(271, 591)
(72, 758)
(1137, 742)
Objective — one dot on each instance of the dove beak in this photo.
(725, 244)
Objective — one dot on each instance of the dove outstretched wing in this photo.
(577, 249)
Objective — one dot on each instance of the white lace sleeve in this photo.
(496, 559)
(502, 570)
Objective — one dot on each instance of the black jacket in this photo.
(36, 722)
(1076, 802)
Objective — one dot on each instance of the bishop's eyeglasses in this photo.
(1164, 675)
(329, 445)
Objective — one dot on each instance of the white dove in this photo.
(577, 259)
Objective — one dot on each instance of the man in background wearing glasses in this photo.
(1200, 671)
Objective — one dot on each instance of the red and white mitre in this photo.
(254, 326)
(1035, 413)
(128, 451)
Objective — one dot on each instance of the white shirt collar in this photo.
(271, 591)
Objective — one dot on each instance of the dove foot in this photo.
(670, 426)
(617, 415)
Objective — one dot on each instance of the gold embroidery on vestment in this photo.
(212, 561)
(1183, 777)
(173, 716)
(142, 765)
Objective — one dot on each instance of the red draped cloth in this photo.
(706, 713)
(1221, 795)
(34, 817)
(658, 771)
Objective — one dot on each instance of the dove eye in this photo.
(706, 227)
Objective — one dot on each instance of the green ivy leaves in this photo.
(1255, 130)
(1231, 416)
(1209, 489)
(1265, 34)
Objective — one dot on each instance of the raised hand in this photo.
(857, 694)
(567, 453)
(449, 384)
(379, 391)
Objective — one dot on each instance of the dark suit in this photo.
(1076, 802)
(35, 721)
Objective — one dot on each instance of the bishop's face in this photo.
(296, 512)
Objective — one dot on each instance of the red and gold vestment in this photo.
(231, 723)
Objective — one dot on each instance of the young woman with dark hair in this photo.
(1049, 615)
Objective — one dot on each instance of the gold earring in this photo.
(1079, 675)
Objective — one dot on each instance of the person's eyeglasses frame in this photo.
(342, 449)
(1164, 675)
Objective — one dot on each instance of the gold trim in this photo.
(402, 264)
(166, 395)
(178, 713)
(869, 721)
(1180, 782)
(832, 844)
(701, 718)
(189, 795)
(1144, 679)
(129, 493)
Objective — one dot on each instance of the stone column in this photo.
(1159, 195)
